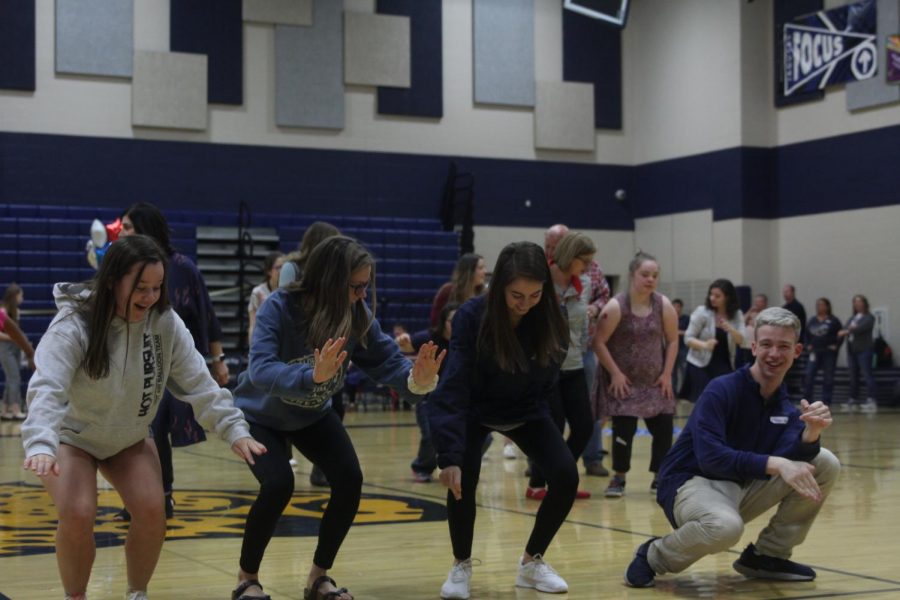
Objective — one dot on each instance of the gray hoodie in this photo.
(105, 416)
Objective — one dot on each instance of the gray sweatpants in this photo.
(711, 515)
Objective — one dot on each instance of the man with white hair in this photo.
(744, 450)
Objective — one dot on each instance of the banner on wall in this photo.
(893, 58)
(830, 47)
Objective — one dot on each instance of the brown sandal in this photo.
(313, 592)
(238, 593)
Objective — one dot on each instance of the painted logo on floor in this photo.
(28, 518)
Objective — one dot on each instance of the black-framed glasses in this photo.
(359, 288)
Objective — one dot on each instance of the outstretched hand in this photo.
(428, 363)
(329, 359)
(246, 448)
(42, 465)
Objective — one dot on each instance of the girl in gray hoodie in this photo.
(101, 369)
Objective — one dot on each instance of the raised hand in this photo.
(405, 342)
(329, 359)
(428, 363)
(451, 478)
(247, 447)
(817, 417)
(42, 465)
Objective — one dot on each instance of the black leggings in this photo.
(540, 441)
(327, 445)
(660, 427)
(570, 402)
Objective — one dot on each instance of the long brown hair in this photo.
(323, 292)
(10, 300)
(544, 322)
(463, 281)
(99, 309)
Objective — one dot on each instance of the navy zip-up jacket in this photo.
(277, 389)
(474, 388)
(730, 436)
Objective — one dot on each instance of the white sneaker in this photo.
(457, 584)
(509, 451)
(539, 575)
(293, 462)
(869, 406)
(135, 595)
(849, 406)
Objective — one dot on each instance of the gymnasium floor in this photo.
(400, 549)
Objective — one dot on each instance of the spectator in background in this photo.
(467, 281)
(822, 344)
(272, 270)
(294, 263)
(190, 300)
(636, 343)
(600, 294)
(792, 304)
(760, 303)
(425, 463)
(858, 332)
(678, 372)
(714, 335)
(12, 344)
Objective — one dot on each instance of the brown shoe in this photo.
(596, 469)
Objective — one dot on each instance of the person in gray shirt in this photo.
(858, 331)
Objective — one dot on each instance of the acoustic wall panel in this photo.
(279, 12)
(309, 72)
(592, 53)
(213, 28)
(17, 45)
(169, 90)
(376, 49)
(564, 116)
(876, 91)
(425, 95)
(504, 51)
(95, 37)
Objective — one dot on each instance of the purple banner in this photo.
(893, 59)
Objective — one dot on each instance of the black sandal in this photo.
(238, 593)
(313, 592)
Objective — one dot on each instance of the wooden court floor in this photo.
(399, 547)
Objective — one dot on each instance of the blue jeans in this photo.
(825, 360)
(861, 361)
(426, 459)
(593, 452)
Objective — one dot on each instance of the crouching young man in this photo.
(745, 449)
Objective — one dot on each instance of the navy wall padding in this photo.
(17, 45)
(214, 28)
(858, 170)
(425, 96)
(55, 169)
(784, 11)
(592, 53)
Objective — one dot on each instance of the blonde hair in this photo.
(573, 245)
(777, 317)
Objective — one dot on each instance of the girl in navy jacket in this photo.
(505, 352)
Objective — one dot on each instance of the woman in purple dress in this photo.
(636, 344)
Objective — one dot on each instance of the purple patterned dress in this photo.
(638, 347)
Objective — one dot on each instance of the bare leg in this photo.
(314, 573)
(135, 473)
(74, 493)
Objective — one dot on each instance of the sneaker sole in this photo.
(757, 574)
(524, 583)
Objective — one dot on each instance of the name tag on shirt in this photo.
(779, 420)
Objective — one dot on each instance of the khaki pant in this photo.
(711, 515)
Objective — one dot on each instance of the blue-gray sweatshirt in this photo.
(277, 389)
(730, 436)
